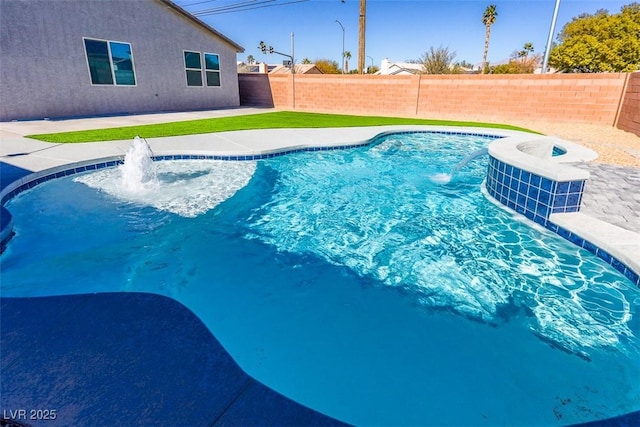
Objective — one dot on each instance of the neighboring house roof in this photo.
(399, 68)
(245, 68)
(300, 69)
(202, 24)
(279, 69)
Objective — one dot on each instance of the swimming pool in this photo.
(353, 283)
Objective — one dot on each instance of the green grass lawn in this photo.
(275, 120)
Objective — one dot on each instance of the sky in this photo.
(395, 29)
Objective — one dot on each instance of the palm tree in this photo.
(347, 57)
(488, 19)
(250, 59)
(526, 50)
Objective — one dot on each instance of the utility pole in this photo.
(343, 57)
(361, 35)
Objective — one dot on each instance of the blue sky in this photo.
(397, 30)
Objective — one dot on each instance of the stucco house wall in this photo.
(44, 70)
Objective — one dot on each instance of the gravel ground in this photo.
(614, 146)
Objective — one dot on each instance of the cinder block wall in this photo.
(580, 98)
(629, 118)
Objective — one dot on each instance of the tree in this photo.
(328, 66)
(526, 50)
(347, 57)
(600, 42)
(250, 60)
(520, 62)
(488, 19)
(438, 61)
(465, 64)
(306, 61)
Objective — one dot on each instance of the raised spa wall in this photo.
(527, 176)
(532, 175)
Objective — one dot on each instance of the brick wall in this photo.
(584, 98)
(629, 118)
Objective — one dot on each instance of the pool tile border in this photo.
(525, 192)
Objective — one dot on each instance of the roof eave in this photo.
(205, 26)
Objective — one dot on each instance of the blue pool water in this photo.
(353, 282)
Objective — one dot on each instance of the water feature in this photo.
(138, 170)
(445, 178)
(184, 187)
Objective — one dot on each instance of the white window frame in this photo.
(203, 68)
(113, 71)
(184, 61)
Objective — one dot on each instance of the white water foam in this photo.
(440, 178)
(184, 187)
(138, 170)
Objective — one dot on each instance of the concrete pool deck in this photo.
(47, 333)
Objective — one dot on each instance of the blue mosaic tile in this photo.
(531, 204)
(560, 200)
(563, 232)
(590, 247)
(540, 220)
(563, 188)
(631, 275)
(618, 265)
(576, 186)
(573, 199)
(523, 187)
(544, 198)
(604, 255)
(536, 180)
(553, 227)
(575, 239)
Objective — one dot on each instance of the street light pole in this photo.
(341, 26)
(371, 61)
(552, 30)
(264, 48)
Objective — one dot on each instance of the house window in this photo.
(212, 69)
(194, 69)
(193, 66)
(110, 62)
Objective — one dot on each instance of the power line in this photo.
(197, 2)
(239, 6)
